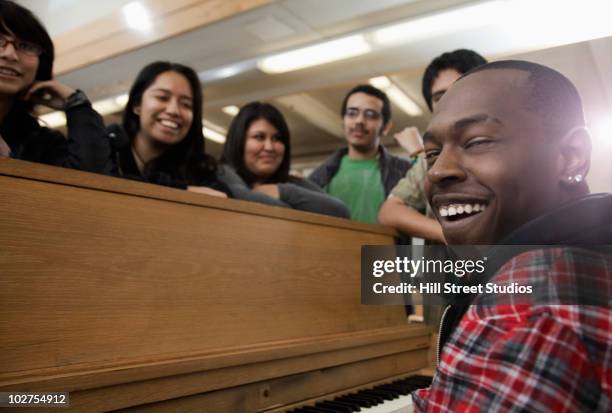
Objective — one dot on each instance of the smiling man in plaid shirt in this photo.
(510, 137)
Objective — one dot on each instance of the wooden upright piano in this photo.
(137, 297)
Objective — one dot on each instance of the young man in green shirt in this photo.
(363, 173)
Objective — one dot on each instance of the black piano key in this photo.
(399, 390)
(369, 397)
(352, 405)
(407, 387)
(361, 401)
(411, 385)
(386, 395)
(371, 393)
(393, 394)
(336, 407)
(311, 409)
(375, 399)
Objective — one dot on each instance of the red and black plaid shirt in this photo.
(538, 357)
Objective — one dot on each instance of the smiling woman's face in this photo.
(490, 168)
(17, 69)
(263, 149)
(166, 109)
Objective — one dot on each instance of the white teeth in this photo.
(459, 209)
(9, 72)
(169, 123)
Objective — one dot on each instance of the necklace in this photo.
(139, 162)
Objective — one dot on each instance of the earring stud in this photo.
(575, 179)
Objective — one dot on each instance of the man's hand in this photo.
(50, 93)
(268, 189)
(410, 139)
(206, 191)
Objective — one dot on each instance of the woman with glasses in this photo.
(26, 65)
(255, 164)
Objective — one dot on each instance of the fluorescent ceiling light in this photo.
(469, 17)
(213, 132)
(52, 119)
(227, 71)
(396, 95)
(122, 100)
(231, 110)
(380, 82)
(314, 55)
(223, 72)
(588, 19)
(104, 107)
(213, 135)
(137, 16)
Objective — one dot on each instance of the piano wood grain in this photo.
(129, 294)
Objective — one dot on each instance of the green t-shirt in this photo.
(359, 185)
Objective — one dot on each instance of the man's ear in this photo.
(575, 155)
(386, 128)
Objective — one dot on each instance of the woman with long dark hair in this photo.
(161, 138)
(256, 161)
(26, 71)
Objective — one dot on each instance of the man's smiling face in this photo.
(491, 168)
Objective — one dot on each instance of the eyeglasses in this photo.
(22, 46)
(369, 114)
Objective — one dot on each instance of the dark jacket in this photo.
(392, 169)
(85, 149)
(298, 194)
(585, 221)
(123, 164)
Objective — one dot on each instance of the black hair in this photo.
(20, 22)
(462, 60)
(372, 91)
(551, 95)
(185, 161)
(233, 150)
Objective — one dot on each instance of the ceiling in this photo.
(310, 98)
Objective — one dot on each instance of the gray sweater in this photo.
(299, 194)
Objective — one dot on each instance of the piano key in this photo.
(400, 390)
(385, 394)
(361, 400)
(402, 404)
(311, 409)
(355, 406)
(340, 407)
(391, 397)
(367, 393)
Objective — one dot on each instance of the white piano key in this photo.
(402, 404)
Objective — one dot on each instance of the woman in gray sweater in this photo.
(256, 159)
